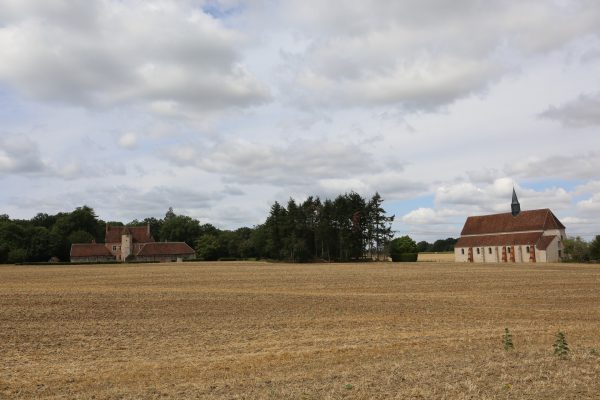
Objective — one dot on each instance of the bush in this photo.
(227, 259)
(403, 245)
(561, 347)
(406, 257)
(507, 341)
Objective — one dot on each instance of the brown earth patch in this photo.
(315, 331)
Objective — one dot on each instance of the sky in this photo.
(220, 108)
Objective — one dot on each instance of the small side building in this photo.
(517, 236)
(91, 252)
(165, 252)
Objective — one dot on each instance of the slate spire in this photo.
(514, 205)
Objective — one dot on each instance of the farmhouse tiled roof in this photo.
(533, 220)
(508, 239)
(89, 250)
(165, 249)
(140, 234)
(545, 242)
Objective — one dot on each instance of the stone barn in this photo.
(516, 236)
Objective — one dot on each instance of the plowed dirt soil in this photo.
(312, 331)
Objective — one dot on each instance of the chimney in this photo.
(148, 226)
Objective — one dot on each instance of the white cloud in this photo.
(20, 155)
(592, 186)
(583, 111)
(108, 53)
(429, 216)
(434, 104)
(572, 166)
(128, 140)
(420, 54)
(575, 221)
(300, 162)
(590, 205)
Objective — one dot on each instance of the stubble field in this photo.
(316, 331)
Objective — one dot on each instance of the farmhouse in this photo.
(517, 236)
(123, 243)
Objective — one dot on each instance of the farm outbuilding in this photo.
(130, 243)
(516, 236)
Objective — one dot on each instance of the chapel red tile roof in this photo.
(533, 220)
(545, 242)
(140, 234)
(509, 239)
(165, 249)
(89, 250)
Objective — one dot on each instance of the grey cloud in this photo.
(581, 112)
(396, 187)
(575, 166)
(299, 163)
(420, 55)
(233, 191)
(590, 206)
(125, 202)
(130, 52)
(20, 156)
(484, 175)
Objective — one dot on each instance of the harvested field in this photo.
(315, 331)
(447, 257)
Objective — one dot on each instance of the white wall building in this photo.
(527, 236)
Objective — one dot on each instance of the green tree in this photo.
(576, 249)
(424, 246)
(80, 236)
(42, 244)
(379, 227)
(44, 220)
(85, 219)
(444, 245)
(595, 248)
(258, 239)
(402, 245)
(180, 228)
(13, 235)
(169, 214)
(16, 255)
(207, 248)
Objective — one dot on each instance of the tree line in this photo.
(347, 228)
(579, 250)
